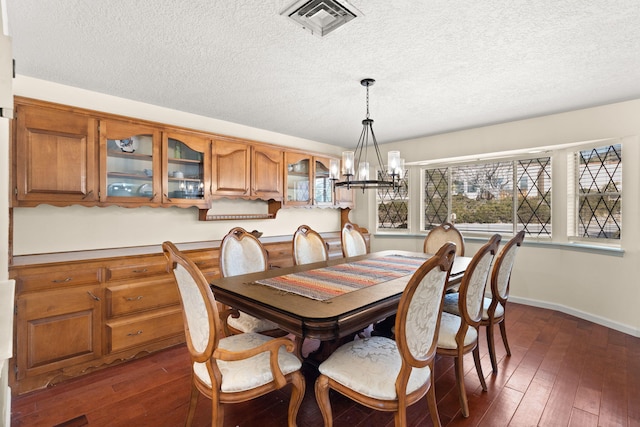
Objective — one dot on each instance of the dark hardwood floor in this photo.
(563, 371)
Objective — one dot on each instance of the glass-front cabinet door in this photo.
(130, 163)
(298, 182)
(322, 188)
(185, 181)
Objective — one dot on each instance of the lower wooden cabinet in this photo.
(74, 316)
(56, 331)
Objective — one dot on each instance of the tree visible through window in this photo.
(600, 192)
(505, 196)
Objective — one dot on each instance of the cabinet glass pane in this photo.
(298, 181)
(185, 171)
(322, 183)
(130, 166)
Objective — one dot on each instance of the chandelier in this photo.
(355, 164)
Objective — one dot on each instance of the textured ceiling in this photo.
(439, 65)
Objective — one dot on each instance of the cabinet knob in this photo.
(133, 334)
(138, 298)
(68, 279)
(93, 296)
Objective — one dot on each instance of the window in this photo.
(599, 192)
(493, 197)
(393, 205)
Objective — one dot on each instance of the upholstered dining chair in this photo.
(459, 328)
(390, 375)
(242, 253)
(229, 369)
(308, 246)
(494, 308)
(443, 233)
(353, 242)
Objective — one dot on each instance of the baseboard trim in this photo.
(577, 313)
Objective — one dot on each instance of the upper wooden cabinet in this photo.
(267, 167)
(307, 182)
(65, 155)
(230, 168)
(129, 163)
(243, 169)
(56, 157)
(298, 179)
(322, 187)
(184, 174)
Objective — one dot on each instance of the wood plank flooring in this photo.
(563, 371)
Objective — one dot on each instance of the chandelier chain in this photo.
(367, 101)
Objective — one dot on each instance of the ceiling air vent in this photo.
(320, 17)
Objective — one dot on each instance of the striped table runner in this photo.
(328, 282)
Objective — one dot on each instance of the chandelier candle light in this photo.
(357, 161)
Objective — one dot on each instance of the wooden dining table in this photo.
(326, 320)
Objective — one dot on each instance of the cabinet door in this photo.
(322, 186)
(55, 155)
(57, 329)
(266, 177)
(298, 179)
(129, 163)
(230, 171)
(184, 176)
(344, 197)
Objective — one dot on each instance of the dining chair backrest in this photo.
(353, 242)
(241, 253)
(199, 310)
(420, 308)
(308, 246)
(443, 233)
(501, 274)
(474, 282)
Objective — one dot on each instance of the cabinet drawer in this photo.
(141, 296)
(143, 268)
(139, 330)
(51, 278)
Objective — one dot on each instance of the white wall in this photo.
(596, 286)
(47, 229)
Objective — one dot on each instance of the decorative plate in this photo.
(128, 145)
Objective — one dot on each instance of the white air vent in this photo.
(320, 17)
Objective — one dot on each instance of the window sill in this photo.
(578, 247)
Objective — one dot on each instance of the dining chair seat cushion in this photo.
(449, 325)
(247, 373)
(370, 366)
(247, 323)
(451, 306)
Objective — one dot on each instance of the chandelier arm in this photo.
(375, 144)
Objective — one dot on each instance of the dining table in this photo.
(329, 300)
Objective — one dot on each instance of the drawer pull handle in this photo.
(93, 296)
(133, 334)
(68, 279)
(138, 298)
(144, 270)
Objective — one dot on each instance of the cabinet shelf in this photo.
(129, 176)
(174, 160)
(124, 155)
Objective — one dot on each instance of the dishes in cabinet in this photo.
(128, 145)
(145, 190)
(121, 189)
